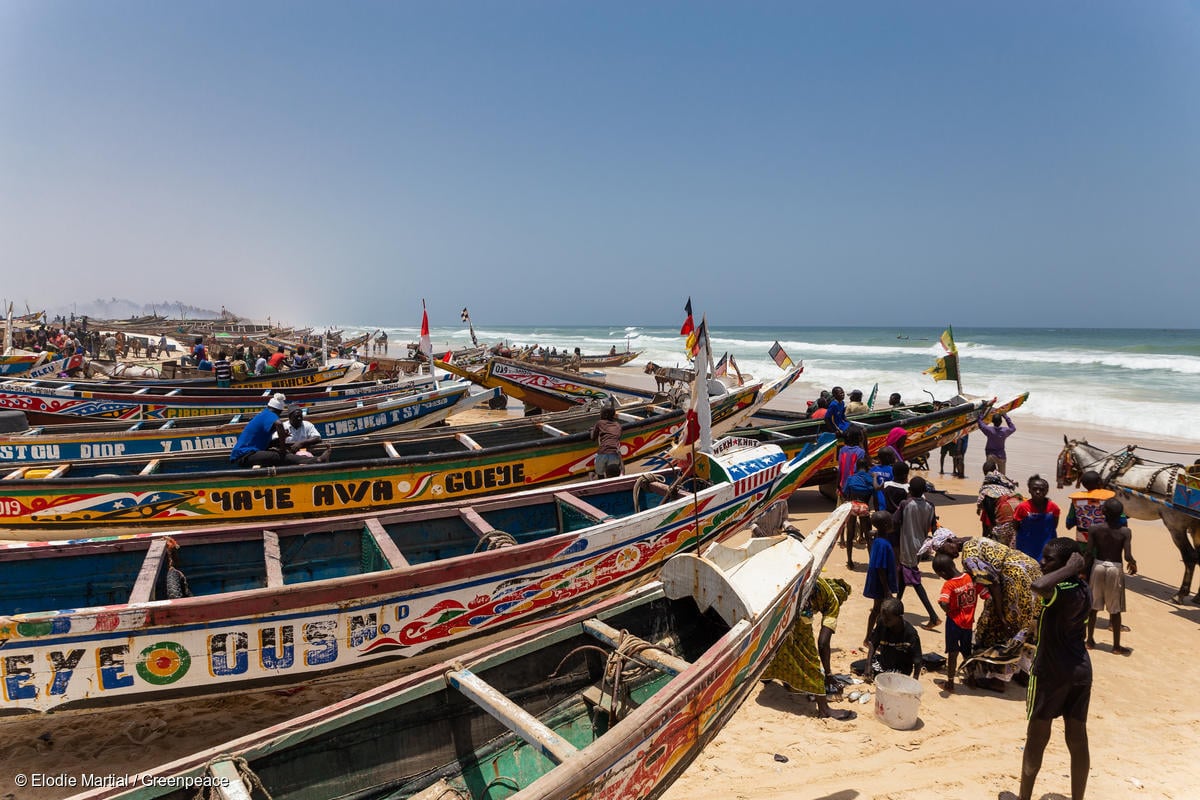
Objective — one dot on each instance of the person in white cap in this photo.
(253, 446)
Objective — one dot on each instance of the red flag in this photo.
(688, 324)
(448, 357)
(426, 345)
(691, 431)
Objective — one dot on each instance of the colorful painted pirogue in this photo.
(55, 403)
(103, 623)
(926, 432)
(564, 358)
(537, 715)
(557, 390)
(92, 441)
(435, 465)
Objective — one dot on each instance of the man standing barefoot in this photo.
(1061, 683)
(1110, 542)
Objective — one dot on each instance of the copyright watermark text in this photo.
(113, 780)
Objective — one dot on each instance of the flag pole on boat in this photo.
(425, 344)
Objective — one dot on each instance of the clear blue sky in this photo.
(1002, 163)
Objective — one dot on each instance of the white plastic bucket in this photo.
(897, 700)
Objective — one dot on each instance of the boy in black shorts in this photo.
(1061, 681)
(960, 594)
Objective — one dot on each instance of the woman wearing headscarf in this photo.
(1005, 632)
(895, 443)
(996, 503)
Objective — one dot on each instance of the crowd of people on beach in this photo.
(1020, 602)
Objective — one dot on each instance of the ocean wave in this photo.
(1188, 365)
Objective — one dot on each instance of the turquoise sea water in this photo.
(1142, 380)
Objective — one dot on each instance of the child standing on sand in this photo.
(914, 520)
(882, 576)
(958, 599)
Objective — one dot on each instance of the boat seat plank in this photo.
(33, 431)
(475, 522)
(553, 431)
(137, 426)
(776, 434)
(173, 392)
(16, 474)
(152, 564)
(624, 417)
(659, 659)
(168, 425)
(582, 506)
(143, 390)
(58, 471)
(391, 449)
(273, 559)
(151, 467)
(468, 441)
(235, 419)
(515, 718)
(385, 544)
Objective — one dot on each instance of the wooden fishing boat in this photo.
(561, 360)
(190, 377)
(101, 441)
(614, 701)
(49, 368)
(55, 402)
(555, 390)
(435, 465)
(926, 432)
(195, 381)
(215, 611)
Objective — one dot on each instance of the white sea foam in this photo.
(1153, 362)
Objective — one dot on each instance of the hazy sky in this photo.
(1003, 163)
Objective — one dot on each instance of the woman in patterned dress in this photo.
(1005, 632)
(800, 663)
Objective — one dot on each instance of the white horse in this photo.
(1139, 484)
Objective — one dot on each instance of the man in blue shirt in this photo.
(835, 416)
(253, 446)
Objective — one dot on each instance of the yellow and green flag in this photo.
(945, 368)
(947, 340)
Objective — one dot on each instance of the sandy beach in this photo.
(967, 745)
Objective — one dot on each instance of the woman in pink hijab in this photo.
(895, 442)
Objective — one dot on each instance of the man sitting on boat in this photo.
(302, 438)
(254, 446)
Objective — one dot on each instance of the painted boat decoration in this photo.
(51, 403)
(94, 441)
(284, 604)
(534, 717)
(434, 465)
(926, 432)
(54, 367)
(556, 390)
(191, 377)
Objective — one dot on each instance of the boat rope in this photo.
(618, 672)
(501, 780)
(244, 772)
(494, 540)
(571, 654)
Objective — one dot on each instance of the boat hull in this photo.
(287, 632)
